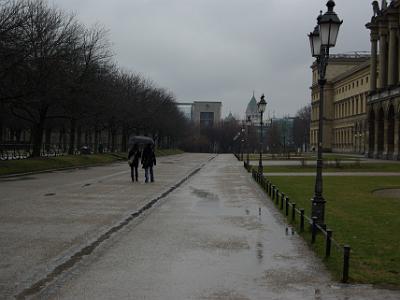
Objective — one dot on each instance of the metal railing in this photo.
(297, 216)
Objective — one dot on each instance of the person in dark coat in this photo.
(148, 161)
(133, 158)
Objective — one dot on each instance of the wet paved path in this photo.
(46, 218)
(206, 240)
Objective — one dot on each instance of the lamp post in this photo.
(261, 109)
(321, 39)
(242, 132)
(248, 124)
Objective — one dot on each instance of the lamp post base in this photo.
(318, 210)
(260, 169)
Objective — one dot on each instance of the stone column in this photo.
(392, 61)
(382, 60)
(366, 142)
(385, 138)
(398, 55)
(396, 137)
(374, 58)
(376, 152)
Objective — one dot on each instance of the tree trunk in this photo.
(71, 149)
(1, 123)
(47, 138)
(113, 138)
(63, 140)
(79, 137)
(109, 140)
(37, 138)
(96, 140)
(124, 146)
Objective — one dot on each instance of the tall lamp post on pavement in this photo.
(242, 135)
(322, 38)
(248, 124)
(261, 109)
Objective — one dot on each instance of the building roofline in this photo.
(360, 67)
(354, 57)
(207, 102)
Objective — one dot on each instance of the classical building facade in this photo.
(345, 103)
(384, 97)
(205, 113)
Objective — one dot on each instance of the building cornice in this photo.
(360, 67)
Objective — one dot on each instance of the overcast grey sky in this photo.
(220, 50)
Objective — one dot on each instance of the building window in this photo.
(206, 119)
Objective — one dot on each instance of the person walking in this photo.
(133, 159)
(148, 161)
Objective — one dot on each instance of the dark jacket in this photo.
(148, 158)
(135, 154)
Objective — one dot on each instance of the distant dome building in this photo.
(252, 111)
(230, 117)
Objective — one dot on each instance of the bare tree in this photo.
(301, 127)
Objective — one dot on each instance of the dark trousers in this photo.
(134, 173)
(146, 174)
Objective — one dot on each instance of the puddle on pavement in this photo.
(247, 222)
(260, 251)
(208, 201)
(229, 244)
(279, 279)
(224, 295)
(204, 194)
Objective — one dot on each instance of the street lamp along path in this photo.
(321, 39)
(262, 105)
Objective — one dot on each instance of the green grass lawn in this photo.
(368, 223)
(300, 156)
(364, 167)
(41, 164)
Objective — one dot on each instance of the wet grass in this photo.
(68, 161)
(301, 156)
(350, 167)
(368, 223)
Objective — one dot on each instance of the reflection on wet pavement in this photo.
(209, 240)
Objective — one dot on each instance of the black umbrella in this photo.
(140, 139)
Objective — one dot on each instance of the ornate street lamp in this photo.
(242, 134)
(248, 124)
(321, 39)
(261, 109)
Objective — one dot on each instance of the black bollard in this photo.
(287, 207)
(293, 212)
(346, 263)
(328, 243)
(301, 219)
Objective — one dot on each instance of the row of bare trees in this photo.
(55, 73)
